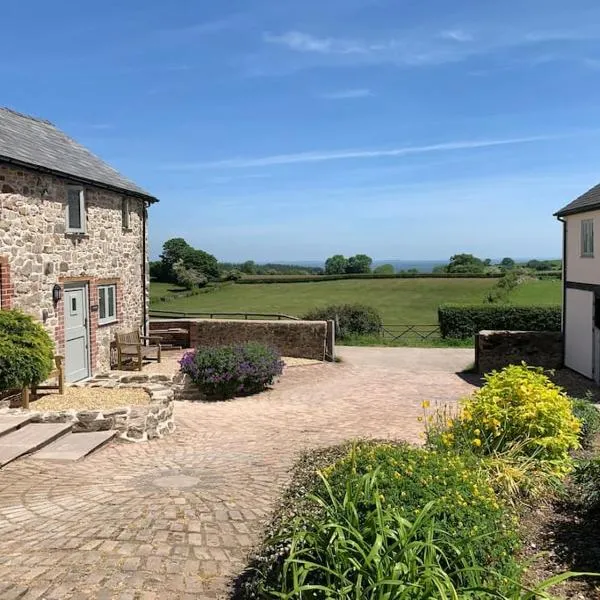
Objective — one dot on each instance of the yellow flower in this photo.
(477, 432)
(477, 442)
(425, 404)
(420, 419)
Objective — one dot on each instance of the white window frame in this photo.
(587, 238)
(125, 216)
(82, 215)
(103, 299)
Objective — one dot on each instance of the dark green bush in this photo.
(589, 416)
(465, 320)
(26, 351)
(587, 479)
(226, 371)
(350, 319)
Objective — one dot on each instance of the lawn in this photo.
(400, 301)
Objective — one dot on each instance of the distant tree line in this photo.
(182, 264)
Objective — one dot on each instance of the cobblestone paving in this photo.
(174, 518)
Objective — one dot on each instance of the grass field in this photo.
(400, 301)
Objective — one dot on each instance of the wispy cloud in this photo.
(457, 35)
(324, 156)
(305, 42)
(347, 94)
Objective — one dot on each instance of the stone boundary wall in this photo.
(133, 423)
(298, 339)
(498, 349)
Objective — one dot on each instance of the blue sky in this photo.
(280, 130)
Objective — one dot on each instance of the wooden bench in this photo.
(130, 348)
(57, 373)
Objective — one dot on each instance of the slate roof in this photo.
(586, 202)
(37, 143)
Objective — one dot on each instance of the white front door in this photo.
(77, 361)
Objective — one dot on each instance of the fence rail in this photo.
(170, 314)
(418, 332)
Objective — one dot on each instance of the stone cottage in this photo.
(73, 242)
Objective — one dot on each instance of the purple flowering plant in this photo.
(228, 371)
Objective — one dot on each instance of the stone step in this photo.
(29, 439)
(9, 423)
(74, 446)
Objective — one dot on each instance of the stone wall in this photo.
(300, 339)
(38, 253)
(133, 423)
(498, 349)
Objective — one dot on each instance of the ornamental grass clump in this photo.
(227, 371)
(518, 411)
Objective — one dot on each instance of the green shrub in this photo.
(589, 416)
(518, 408)
(363, 546)
(465, 320)
(26, 351)
(587, 478)
(226, 371)
(350, 319)
(306, 278)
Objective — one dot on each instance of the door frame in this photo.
(85, 287)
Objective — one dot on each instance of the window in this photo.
(75, 210)
(587, 237)
(125, 212)
(107, 301)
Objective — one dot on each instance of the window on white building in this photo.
(587, 237)
(107, 304)
(75, 210)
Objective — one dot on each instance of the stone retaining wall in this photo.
(498, 349)
(133, 423)
(299, 339)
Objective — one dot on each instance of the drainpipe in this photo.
(144, 263)
(564, 286)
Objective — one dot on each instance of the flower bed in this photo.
(386, 520)
(227, 371)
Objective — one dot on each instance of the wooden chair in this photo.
(57, 373)
(130, 348)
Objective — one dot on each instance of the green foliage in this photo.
(393, 521)
(463, 321)
(233, 275)
(517, 408)
(504, 287)
(336, 265)
(386, 269)
(465, 263)
(587, 478)
(249, 267)
(274, 269)
(589, 416)
(187, 277)
(178, 251)
(508, 263)
(26, 351)
(410, 274)
(543, 265)
(357, 319)
(226, 371)
(361, 263)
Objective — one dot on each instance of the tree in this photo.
(188, 278)
(178, 250)
(487, 262)
(249, 267)
(361, 263)
(386, 269)
(507, 263)
(465, 263)
(440, 269)
(173, 251)
(336, 265)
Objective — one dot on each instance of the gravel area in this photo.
(93, 398)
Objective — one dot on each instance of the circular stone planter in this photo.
(137, 423)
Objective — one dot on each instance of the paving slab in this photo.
(9, 423)
(74, 446)
(28, 439)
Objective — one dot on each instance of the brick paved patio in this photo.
(174, 518)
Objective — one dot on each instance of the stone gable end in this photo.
(36, 254)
